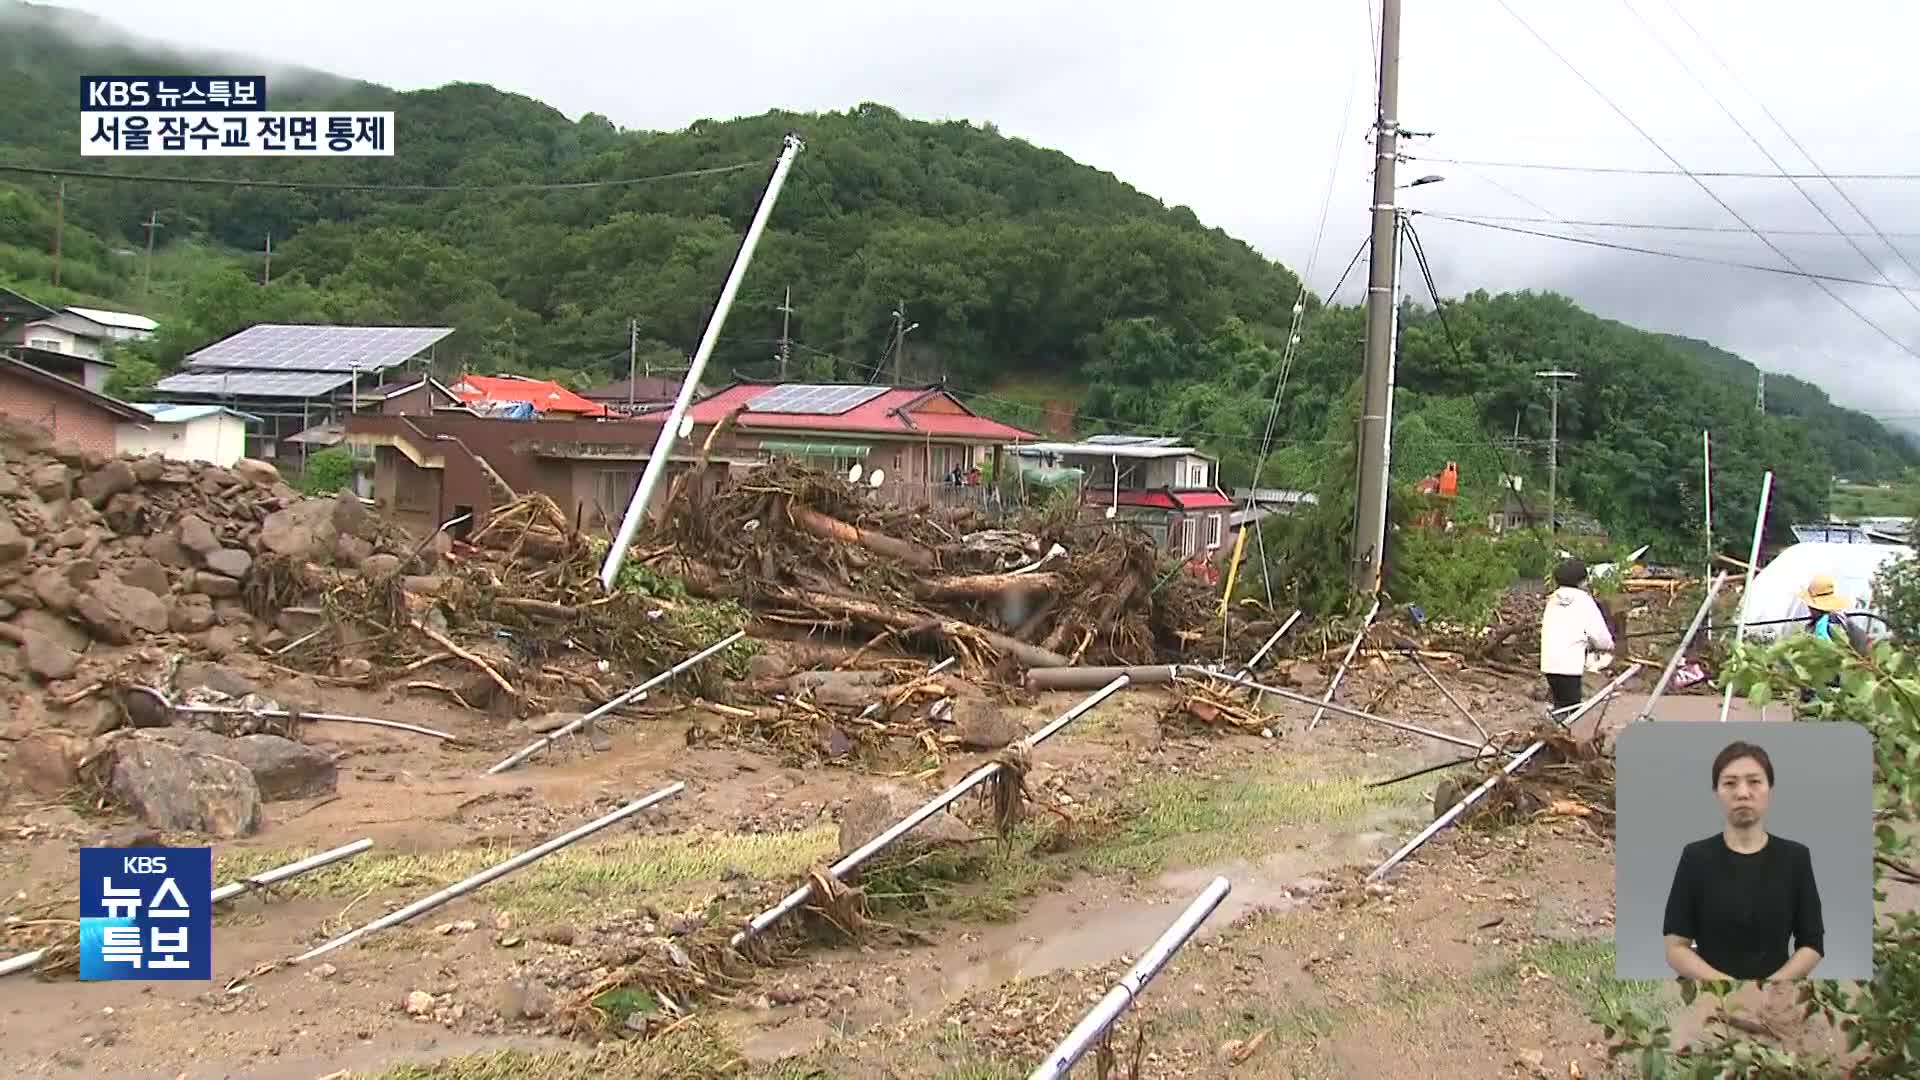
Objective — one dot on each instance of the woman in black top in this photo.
(1739, 896)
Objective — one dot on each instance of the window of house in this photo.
(1213, 530)
(613, 489)
(1196, 475)
(1189, 536)
(47, 343)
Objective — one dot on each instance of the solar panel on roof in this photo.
(814, 400)
(271, 347)
(284, 384)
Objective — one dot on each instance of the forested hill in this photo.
(1034, 280)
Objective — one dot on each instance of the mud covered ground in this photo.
(1483, 956)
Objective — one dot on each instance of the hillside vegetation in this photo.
(1017, 262)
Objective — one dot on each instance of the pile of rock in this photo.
(99, 551)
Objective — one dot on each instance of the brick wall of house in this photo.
(67, 419)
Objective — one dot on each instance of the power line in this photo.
(1718, 174)
(298, 185)
(1702, 184)
(1768, 154)
(1664, 254)
(1838, 190)
(1662, 227)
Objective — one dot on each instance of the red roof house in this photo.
(544, 395)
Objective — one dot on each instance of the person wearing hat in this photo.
(1573, 632)
(1827, 609)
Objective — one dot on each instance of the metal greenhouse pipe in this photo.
(1326, 701)
(492, 873)
(1520, 759)
(852, 860)
(1339, 710)
(1123, 994)
(634, 694)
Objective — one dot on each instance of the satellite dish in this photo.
(878, 476)
(853, 474)
(1112, 510)
(686, 426)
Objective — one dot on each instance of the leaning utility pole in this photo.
(266, 270)
(1760, 394)
(899, 339)
(59, 228)
(1553, 447)
(152, 223)
(670, 428)
(1376, 411)
(786, 340)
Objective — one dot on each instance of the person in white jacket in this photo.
(1571, 627)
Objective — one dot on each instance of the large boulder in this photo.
(229, 562)
(351, 516)
(256, 471)
(107, 481)
(281, 768)
(47, 659)
(180, 789)
(301, 530)
(191, 613)
(54, 627)
(47, 761)
(197, 536)
(14, 545)
(122, 613)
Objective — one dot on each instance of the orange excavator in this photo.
(1441, 489)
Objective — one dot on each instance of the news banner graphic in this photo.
(215, 116)
(146, 913)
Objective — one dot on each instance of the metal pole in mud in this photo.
(874, 709)
(1746, 590)
(634, 694)
(283, 714)
(1132, 983)
(1254, 662)
(852, 860)
(1342, 673)
(26, 961)
(1520, 759)
(1680, 651)
(1338, 710)
(492, 873)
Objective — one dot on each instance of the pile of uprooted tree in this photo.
(804, 548)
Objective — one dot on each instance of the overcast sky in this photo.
(1241, 110)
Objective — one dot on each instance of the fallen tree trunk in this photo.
(703, 580)
(1093, 678)
(979, 586)
(834, 529)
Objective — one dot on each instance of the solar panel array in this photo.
(814, 400)
(266, 384)
(271, 347)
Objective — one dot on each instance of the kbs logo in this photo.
(195, 93)
(146, 913)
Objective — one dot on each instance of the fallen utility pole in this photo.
(1337, 710)
(670, 427)
(1507, 770)
(1746, 592)
(1680, 651)
(1342, 672)
(1130, 986)
(634, 694)
(1090, 678)
(492, 873)
(853, 859)
(26, 961)
(285, 714)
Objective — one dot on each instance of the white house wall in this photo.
(45, 335)
(219, 439)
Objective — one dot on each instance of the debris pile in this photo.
(804, 548)
(1567, 778)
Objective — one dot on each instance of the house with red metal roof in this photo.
(922, 440)
(1154, 482)
(498, 393)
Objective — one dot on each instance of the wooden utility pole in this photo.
(786, 341)
(59, 228)
(633, 354)
(1376, 410)
(152, 223)
(901, 328)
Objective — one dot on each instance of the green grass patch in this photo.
(652, 869)
(1195, 820)
(1584, 966)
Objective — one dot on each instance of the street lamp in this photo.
(1430, 178)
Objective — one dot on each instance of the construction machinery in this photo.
(1438, 492)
